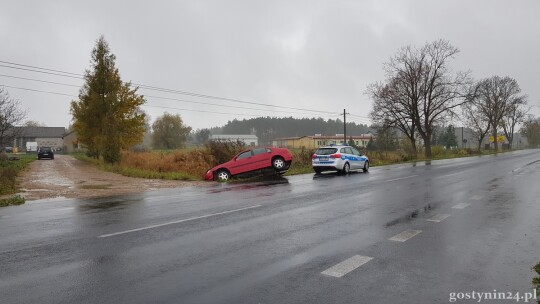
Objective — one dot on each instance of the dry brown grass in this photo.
(193, 162)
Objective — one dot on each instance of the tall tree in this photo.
(515, 114)
(387, 139)
(475, 120)
(531, 130)
(495, 97)
(390, 109)
(33, 123)
(426, 89)
(107, 116)
(169, 132)
(10, 115)
(202, 136)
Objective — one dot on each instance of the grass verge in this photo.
(10, 170)
(136, 172)
(191, 164)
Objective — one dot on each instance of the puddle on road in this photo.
(412, 215)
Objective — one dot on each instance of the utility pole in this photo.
(462, 139)
(345, 126)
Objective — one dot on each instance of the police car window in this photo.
(355, 152)
(244, 155)
(326, 151)
(346, 150)
(259, 151)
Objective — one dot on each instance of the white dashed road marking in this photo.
(346, 266)
(461, 206)
(438, 218)
(177, 222)
(405, 235)
(476, 197)
(396, 179)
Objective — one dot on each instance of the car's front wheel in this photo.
(366, 166)
(278, 163)
(222, 175)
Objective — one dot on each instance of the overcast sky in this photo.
(317, 55)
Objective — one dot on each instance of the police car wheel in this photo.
(366, 166)
(317, 171)
(346, 168)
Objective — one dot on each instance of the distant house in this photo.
(71, 142)
(249, 140)
(318, 140)
(44, 136)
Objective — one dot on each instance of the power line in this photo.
(143, 86)
(54, 72)
(160, 97)
(38, 80)
(145, 105)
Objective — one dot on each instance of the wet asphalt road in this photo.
(271, 242)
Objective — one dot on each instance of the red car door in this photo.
(262, 158)
(242, 163)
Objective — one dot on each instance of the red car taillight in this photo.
(337, 155)
(313, 156)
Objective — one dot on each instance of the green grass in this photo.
(12, 201)
(10, 170)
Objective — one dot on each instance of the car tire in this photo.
(366, 166)
(278, 163)
(317, 171)
(222, 176)
(346, 168)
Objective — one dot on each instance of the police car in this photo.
(342, 158)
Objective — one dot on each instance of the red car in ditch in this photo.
(279, 159)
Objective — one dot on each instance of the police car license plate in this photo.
(325, 158)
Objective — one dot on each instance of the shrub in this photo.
(12, 201)
(223, 151)
(437, 151)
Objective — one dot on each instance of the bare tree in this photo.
(390, 109)
(516, 112)
(495, 97)
(423, 87)
(475, 120)
(10, 116)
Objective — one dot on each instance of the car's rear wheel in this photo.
(317, 171)
(346, 168)
(278, 163)
(366, 166)
(222, 175)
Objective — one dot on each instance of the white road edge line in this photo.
(346, 266)
(396, 179)
(405, 235)
(438, 218)
(461, 206)
(177, 222)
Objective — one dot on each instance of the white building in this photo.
(249, 140)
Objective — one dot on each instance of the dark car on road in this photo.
(45, 152)
(279, 159)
